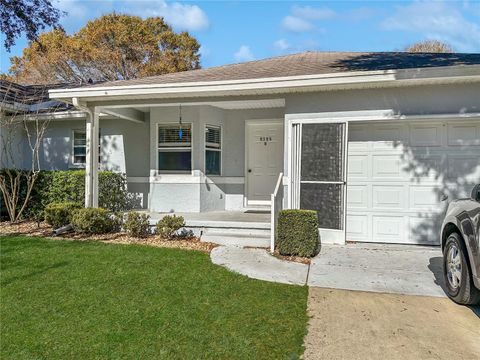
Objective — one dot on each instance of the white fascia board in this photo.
(279, 84)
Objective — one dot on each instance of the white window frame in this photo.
(72, 157)
(173, 148)
(220, 149)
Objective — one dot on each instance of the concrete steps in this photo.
(232, 233)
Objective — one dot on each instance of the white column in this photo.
(91, 166)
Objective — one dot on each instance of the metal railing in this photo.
(276, 206)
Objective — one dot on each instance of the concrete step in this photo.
(238, 240)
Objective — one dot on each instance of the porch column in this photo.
(91, 166)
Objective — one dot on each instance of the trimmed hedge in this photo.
(297, 233)
(69, 186)
(60, 214)
(95, 221)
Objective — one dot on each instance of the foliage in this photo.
(430, 46)
(60, 214)
(297, 233)
(137, 224)
(69, 186)
(94, 221)
(112, 47)
(26, 16)
(169, 225)
(92, 295)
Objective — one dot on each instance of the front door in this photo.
(264, 154)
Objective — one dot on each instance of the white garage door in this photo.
(399, 172)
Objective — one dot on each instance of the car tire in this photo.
(456, 272)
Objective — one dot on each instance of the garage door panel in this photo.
(357, 197)
(410, 167)
(357, 227)
(463, 134)
(426, 135)
(358, 167)
(388, 137)
(388, 228)
(425, 229)
(358, 138)
(386, 167)
(388, 197)
(425, 198)
(464, 167)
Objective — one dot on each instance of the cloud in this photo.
(311, 13)
(180, 16)
(438, 21)
(281, 45)
(244, 54)
(296, 24)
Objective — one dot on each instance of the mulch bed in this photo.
(32, 228)
(298, 259)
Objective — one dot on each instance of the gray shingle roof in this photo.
(308, 63)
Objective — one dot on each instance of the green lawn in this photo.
(84, 300)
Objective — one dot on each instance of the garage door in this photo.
(399, 172)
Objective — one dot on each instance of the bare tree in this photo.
(25, 112)
(430, 46)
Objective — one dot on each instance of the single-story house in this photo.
(374, 142)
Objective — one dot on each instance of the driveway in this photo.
(365, 325)
(398, 269)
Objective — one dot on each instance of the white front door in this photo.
(264, 155)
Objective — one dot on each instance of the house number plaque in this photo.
(265, 139)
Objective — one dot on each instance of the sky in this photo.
(236, 31)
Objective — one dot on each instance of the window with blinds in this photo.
(175, 148)
(79, 148)
(213, 150)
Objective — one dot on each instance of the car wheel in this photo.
(458, 279)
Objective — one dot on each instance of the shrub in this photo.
(60, 214)
(69, 186)
(168, 225)
(94, 221)
(137, 224)
(297, 233)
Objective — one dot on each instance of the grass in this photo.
(84, 300)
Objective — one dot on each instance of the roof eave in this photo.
(385, 78)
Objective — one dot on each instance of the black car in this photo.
(461, 249)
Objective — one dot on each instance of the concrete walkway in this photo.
(258, 264)
(397, 269)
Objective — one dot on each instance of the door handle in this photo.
(249, 170)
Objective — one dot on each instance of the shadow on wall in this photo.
(402, 60)
(454, 173)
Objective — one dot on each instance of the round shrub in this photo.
(60, 214)
(297, 233)
(169, 225)
(94, 221)
(137, 224)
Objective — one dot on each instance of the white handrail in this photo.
(274, 209)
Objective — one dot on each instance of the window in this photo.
(79, 147)
(175, 148)
(213, 150)
(79, 156)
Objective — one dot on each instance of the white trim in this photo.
(220, 149)
(192, 179)
(413, 76)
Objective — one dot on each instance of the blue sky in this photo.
(234, 31)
